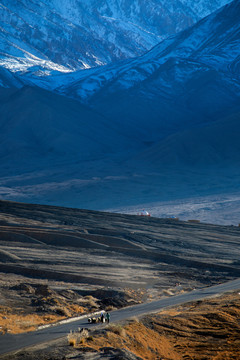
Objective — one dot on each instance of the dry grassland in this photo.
(18, 323)
(15, 321)
(29, 306)
(203, 330)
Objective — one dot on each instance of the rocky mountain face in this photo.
(131, 129)
(76, 34)
(185, 81)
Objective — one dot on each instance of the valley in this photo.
(108, 108)
(156, 128)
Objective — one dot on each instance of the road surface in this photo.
(11, 343)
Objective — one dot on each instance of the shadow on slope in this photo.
(213, 145)
(38, 126)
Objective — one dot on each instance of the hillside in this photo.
(58, 36)
(155, 128)
(152, 246)
(189, 79)
(196, 72)
(214, 144)
(40, 129)
(58, 263)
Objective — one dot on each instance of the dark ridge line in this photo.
(77, 216)
(53, 275)
(171, 259)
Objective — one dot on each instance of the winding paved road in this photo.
(10, 343)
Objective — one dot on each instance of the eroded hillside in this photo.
(59, 262)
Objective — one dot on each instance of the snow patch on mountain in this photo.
(32, 64)
(219, 51)
(77, 34)
(150, 126)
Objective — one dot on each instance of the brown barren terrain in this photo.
(58, 263)
(206, 329)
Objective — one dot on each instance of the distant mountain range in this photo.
(76, 34)
(128, 130)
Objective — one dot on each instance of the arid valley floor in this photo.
(59, 262)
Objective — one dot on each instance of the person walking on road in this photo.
(107, 317)
(102, 317)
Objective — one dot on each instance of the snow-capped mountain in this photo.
(56, 35)
(189, 79)
(162, 124)
(212, 42)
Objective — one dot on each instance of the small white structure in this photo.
(144, 213)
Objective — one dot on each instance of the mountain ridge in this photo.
(66, 36)
(128, 122)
